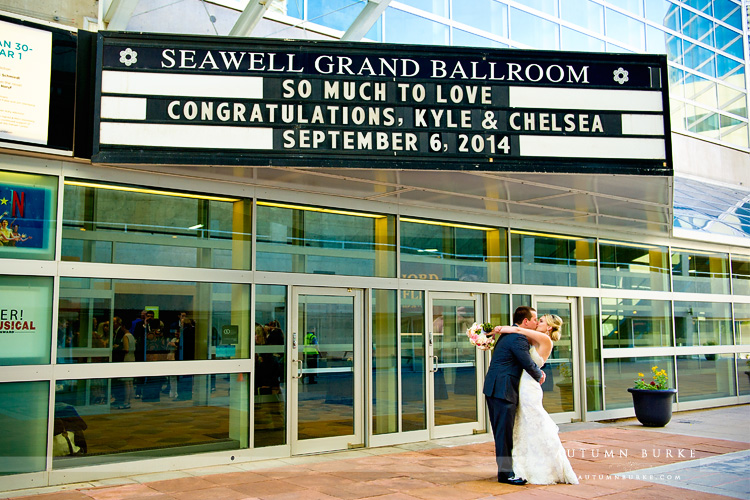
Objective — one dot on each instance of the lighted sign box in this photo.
(166, 99)
(37, 86)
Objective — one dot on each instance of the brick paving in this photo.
(652, 464)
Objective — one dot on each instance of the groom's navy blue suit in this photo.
(509, 359)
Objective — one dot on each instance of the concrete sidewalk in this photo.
(699, 455)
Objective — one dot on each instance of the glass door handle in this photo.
(299, 369)
(434, 364)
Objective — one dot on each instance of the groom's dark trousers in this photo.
(509, 359)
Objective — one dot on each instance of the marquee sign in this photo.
(230, 101)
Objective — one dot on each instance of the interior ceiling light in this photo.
(113, 187)
(317, 209)
(447, 224)
(545, 235)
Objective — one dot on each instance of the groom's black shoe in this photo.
(505, 478)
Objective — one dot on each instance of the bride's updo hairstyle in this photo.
(555, 323)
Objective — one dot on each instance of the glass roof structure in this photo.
(706, 210)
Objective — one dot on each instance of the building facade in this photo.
(281, 310)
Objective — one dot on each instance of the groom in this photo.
(509, 359)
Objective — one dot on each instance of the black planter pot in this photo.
(653, 408)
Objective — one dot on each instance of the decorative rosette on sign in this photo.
(482, 336)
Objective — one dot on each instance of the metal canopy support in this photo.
(365, 20)
(250, 17)
(119, 13)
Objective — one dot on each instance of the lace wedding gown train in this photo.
(538, 454)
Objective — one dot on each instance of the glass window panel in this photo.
(674, 49)
(626, 29)
(741, 276)
(487, 15)
(439, 7)
(633, 267)
(737, 136)
(213, 418)
(632, 6)
(700, 272)
(376, 32)
(499, 309)
(442, 251)
(616, 49)
(700, 59)
(636, 323)
(732, 100)
(726, 38)
(584, 13)
(657, 11)
(403, 27)
(703, 323)
(414, 409)
(656, 40)
(466, 39)
(23, 418)
(705, 376)
(167, 321)
(620, 374)
(574, 40)
(128, 225)
(701, 91)
(295, 8)
(270, 366)
(546, 6)
(729, 12)
(677, 114)
(336, 14)
(384, 362)
(592, 354)
(25, 320)
(701, 5)
(28, 217)
(546, 259)
(743, 373)
(742, 324)
(733, 72)
(702, 121)
(314, 240)
(676, 82)
(534, 31)
(697, 27)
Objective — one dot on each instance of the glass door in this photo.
(326, 352)
(454, 365)
(562, 385)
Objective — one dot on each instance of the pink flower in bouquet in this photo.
(482, 336)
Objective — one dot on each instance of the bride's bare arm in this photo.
(540, 340)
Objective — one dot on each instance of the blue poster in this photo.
(24, 218)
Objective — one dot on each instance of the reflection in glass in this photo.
(705, 376)
(325, 386)
(742, 324)
(213, 418)
(133, 225)
(302, 239)
(636, 323)
(633, 267)
(169, 321)
(487, 15)
(700, 272)
(23, 418)
(584, 13)
(533, 31)
(384, 362)
(499, 309)
(740, 275)
(336, 14)
(439, 7)
(25, 320)
(403, 27)
(592, 354)
(465, 39)
(414, 406)
(455, 375)
(620, 374)
(576, 41)
(626, 30)
(446, 251)
(546, 6)
(743, 373)
(703, 323)
(270, 366)
(559, 391)
(548, 259)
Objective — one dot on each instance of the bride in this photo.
(538, 454)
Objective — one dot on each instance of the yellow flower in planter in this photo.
(659, 381)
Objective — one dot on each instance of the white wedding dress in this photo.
(538, 454)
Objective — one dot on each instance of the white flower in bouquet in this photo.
(482, 336)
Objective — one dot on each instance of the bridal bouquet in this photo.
(482, 336)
